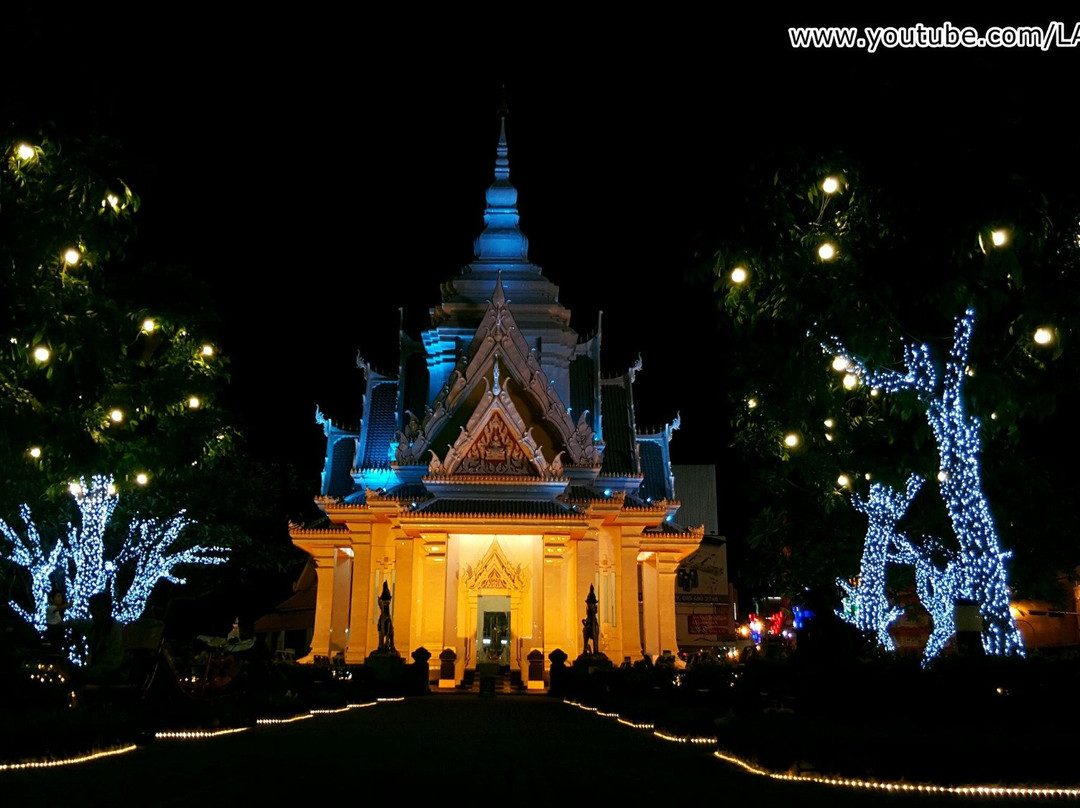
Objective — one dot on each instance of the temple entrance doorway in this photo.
(493, 629)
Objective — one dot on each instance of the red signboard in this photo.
(715, 624)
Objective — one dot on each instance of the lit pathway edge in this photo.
(178, 735)
(1034, 792)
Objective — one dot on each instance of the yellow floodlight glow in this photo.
(72, 256)
(24, 151)
(830, 185)
(829, 423)
(827, 251)
(75, 489)
(116, 416)
(142, 478)
(843, 481)
(739, 275)
(751, 403)
(42, 354)
(792, 440)
(35, 452)
(1044, 335)
(148, 325)
(851, 381)
(194, 402)
(208, 350)
(999, 237)
(840, 363)
(110, 200)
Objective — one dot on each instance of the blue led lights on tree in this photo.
(867, 605)
(977, 570)
(148, 555)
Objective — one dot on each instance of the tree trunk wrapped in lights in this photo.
(867, 603)
(147, 556)
(979, 568)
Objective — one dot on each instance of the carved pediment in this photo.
(496, 450)
(498, 356)
(495, 441)
(494, 572)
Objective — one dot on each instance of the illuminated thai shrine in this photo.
(495, 481)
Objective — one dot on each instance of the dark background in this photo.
(323, 173)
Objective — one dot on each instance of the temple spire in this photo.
(502, 240)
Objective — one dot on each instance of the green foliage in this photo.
(914, 249)
(113, 396)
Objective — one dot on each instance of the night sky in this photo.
(323, 175)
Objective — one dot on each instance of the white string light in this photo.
(88, 569)
(977, 570)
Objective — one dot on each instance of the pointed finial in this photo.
(502, 239)
(504, 108)
(499, 297)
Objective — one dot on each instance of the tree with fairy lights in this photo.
(90, 559)
(838, 245)
(979, 564)
(110, 364)
(110, 361)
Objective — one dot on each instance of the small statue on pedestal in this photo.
(386, 623)
(590, 626)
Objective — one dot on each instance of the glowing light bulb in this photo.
(831, 185)
(25, 151)
(792, 439)
(851, 381)
(999, 237)
(942, 476)
(840, 363)
(148, 325)
(827, 251)
(829, 436)
(35, 452)
(141, 478)
(72, 256)
(874, 392)
(739, 275)
(116, 416)
(1044, 335)
(110, 200)
(75, 489)
(42, 354)
(751, 403)
(194, 402)
(208, 350)
(843, 481)
(829, 423)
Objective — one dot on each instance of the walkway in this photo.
(525, 749)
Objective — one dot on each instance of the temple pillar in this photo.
(588, 560)
(667, 565)
(340, 604)
(403, 596)
(325, 558)
(359, 608)
(650, 612)
(626, 585)
(450, 638)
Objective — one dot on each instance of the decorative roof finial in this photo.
(502, 240)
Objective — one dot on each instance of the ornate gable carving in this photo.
(495, 451)
(498, 342)
(494, 572)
